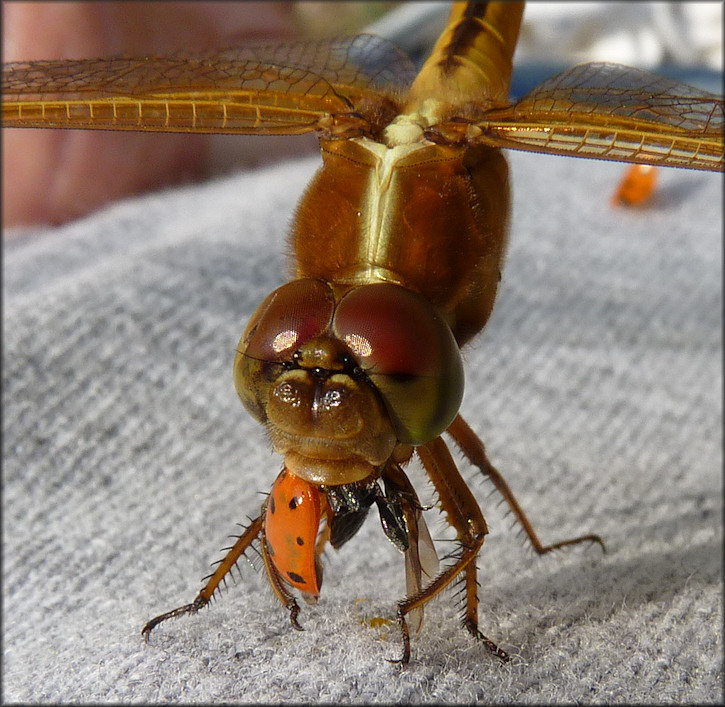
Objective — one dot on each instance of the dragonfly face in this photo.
(399, 244)
(341, 380)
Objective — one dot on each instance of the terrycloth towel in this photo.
(127, 459)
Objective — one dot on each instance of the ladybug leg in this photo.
(465, 516)
(472, 447)
(225, 566)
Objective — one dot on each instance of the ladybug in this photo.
(292, 542)
(291, 524)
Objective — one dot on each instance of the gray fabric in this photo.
(128, 459)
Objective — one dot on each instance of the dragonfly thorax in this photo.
(409, 128)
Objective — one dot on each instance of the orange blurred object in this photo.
(637, 186)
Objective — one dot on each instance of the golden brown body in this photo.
(396, 212)
(431, 217)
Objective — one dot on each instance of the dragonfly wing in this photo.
(421, 560)
(263, 89)
(365, 61)
(613, 112)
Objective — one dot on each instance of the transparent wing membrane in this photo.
(284, 89)
(608, 111)
(364, 62)
(602, 111)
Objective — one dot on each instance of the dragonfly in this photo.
(354, 367)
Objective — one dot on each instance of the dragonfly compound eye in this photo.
(408, 352)
(288, 318)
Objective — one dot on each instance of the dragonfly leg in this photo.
(225, 567)
(470, 620)
(465, 516)
(474, 450)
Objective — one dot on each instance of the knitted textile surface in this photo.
(128, 459)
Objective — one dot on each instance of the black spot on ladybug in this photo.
(296, 578)
(270, 507)
(270, 550)
(296, 501)
(300, 541)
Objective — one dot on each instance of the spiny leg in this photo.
(225, 567)
(474, 450)
(470, 619)
(465, 516)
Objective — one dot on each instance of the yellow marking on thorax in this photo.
(379, 200)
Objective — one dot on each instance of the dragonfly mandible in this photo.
(354, 367)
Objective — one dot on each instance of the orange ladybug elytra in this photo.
(291, 522)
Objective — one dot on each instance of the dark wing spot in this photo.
(300, 541)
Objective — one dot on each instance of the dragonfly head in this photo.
(341, 377)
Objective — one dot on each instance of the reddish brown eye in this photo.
(408, 352)
(292, 315)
